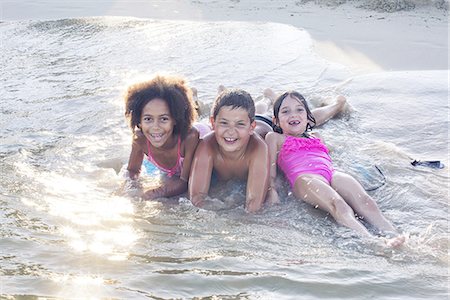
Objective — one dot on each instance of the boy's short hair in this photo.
(236, 98)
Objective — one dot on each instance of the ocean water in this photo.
(68, 232)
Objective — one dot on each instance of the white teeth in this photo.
(294, 122)
(156, 136)
(230, 139)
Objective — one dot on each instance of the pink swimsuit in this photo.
(304, 156)
(175, 170)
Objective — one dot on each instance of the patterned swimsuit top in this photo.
(175, 170)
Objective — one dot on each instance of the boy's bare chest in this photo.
(231, 169)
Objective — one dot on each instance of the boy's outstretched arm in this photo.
(324, 113)
(272, 144)
(201, 171)
(258, 176)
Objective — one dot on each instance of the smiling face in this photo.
(232, 128)
(292, 117)
(157, 123)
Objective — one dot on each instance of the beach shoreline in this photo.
(364, 40)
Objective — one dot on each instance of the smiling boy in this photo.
(232, 151)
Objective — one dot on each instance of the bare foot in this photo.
(395, 242)
(269, 93)
(272, 197)
(198, 104)
(194, 93)
(261, 108)
(341, 101)
(221, 88)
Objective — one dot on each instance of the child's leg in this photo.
(314, 190)
(355, 195)
(203, 109)
(263, 107)
(269, 93)
(324, 113)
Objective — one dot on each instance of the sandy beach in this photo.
(364, 39)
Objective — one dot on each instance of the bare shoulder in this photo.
(193, 133)
(275, 138)
(257, 143)
(192, 138)
(316, 135)
(207, 144)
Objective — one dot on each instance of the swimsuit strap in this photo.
(172, 170)
(179, 151)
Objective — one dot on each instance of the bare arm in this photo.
(201, 171)
(258, 176)
(170, 187)
(323, 114)
(190, 145)
(136, 157)
(272, 143)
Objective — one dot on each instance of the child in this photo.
(161, 113)
(264, 111)
(233, 151)
(304, 160)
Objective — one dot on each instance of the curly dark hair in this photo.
(173, 90)
(235, 98)
(299, 97)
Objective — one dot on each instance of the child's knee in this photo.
(340, 207)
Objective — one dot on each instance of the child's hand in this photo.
(253, 206)
(131, 188)
(272, 197)
(198, 201)
(151, 194)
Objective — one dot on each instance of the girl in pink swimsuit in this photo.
(161, 113)
(305, 162)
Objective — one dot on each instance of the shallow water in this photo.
(67, 232)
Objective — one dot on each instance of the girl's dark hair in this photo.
(299, 97)
(236, 98)
(171, 89)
